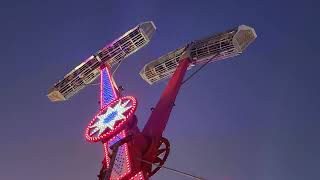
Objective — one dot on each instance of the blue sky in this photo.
(253, 117)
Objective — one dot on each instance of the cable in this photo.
(116, 68)
(173, 170)
(96, 84)
(194, 73)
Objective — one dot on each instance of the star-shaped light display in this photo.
(110, 117)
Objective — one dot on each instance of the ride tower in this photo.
(128, 152)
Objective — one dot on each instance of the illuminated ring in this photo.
(108, 133)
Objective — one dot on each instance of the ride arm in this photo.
(160, 114)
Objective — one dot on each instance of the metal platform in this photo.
(89, 70)
(213, 48)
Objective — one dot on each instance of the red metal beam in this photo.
(160, 115)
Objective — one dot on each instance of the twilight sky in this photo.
(255, 117)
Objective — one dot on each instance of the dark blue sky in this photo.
(253, 117)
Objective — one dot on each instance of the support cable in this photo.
(194, 73)
(96, 84)
(118, 65)
(173, 170)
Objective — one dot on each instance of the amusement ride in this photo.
(131, 153)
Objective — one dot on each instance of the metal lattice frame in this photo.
(89, 70)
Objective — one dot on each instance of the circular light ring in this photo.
(120, 125)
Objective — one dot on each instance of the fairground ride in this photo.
(131, 153)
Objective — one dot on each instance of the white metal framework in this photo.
(213, 48)
(112, 54)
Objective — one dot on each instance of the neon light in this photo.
(107, 91)
(127, 164)
(126, 157)
(138, 176)
(108, 133)
(109, 96)
(105, 147)
(110, 117)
